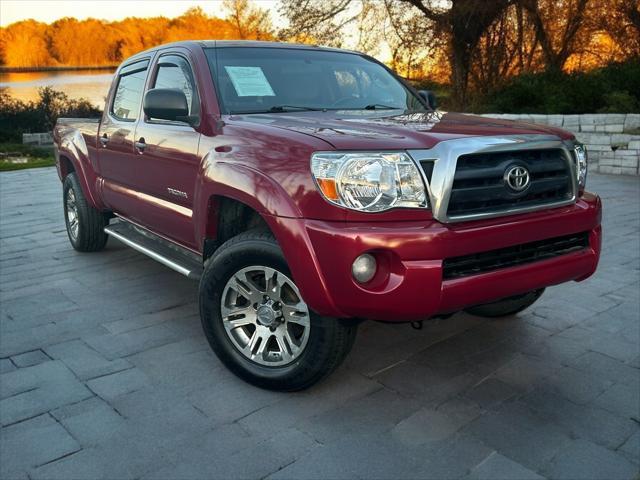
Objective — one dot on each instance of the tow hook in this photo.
(417, 325)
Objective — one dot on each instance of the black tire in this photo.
(329, 339)
(507, 306)
(90, 235)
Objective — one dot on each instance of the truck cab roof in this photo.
(193, 44)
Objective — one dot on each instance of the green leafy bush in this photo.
(18, 117)
(620, 102)
(612, 89)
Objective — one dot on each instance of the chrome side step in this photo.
(169, 254)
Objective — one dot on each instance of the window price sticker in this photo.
(249, 82)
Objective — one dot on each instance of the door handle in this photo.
(104, 140)
(140, 145)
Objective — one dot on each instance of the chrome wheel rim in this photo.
(264, 316)
(72, 214)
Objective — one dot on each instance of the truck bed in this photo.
(69, 128)
(87, 126)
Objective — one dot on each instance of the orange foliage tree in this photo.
(25, 44)
(92, 42)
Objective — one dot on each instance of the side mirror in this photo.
(429, 97)
(166, 104)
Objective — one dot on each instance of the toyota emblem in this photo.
(517, 178)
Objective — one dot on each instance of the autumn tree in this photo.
(92, 42)
(475, 45)
(311, 21)
(130, 37)
(557, 25)
(195, 24)
(622, 24)
(250, 22)
(25, 44)
(87, 42)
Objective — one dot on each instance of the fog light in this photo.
(364, 268)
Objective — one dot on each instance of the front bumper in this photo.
(411, 285)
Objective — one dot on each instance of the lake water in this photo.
(90, 84)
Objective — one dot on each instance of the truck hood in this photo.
(352, 130)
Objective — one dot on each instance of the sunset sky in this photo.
(50, 10)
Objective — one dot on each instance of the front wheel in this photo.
(257, 322)
(507, 306)
(85, 224)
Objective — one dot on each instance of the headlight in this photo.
(581, 165)
(369, 182)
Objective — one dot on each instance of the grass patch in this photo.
(16, 156)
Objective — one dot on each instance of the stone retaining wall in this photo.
(612, 140)
(39, 139)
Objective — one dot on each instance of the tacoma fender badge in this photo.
(177, 193)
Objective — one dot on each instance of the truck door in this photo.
(116, 155)
(167, 155)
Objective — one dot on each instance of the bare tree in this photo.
(411, 40)
(464, 22)
(461, 22)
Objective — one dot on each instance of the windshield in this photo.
(259, 80)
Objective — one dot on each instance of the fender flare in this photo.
(267, 197)
(72, 146)
(241, 183)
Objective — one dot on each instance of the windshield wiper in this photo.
(287, 108)
(278, 109)
(379, 106)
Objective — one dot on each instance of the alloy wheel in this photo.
(265, 316)
(72, 214)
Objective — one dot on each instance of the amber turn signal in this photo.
(328, 188)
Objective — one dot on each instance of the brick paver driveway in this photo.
(107, 374)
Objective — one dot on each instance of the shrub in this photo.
(620, 102)
(612, 89)
(18, 117)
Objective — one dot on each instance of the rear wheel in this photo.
(257, 322)
(506, 306)
(85, 224)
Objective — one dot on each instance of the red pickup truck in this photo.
(308, 188)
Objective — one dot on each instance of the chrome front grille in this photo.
(467, 178)
(480, 186)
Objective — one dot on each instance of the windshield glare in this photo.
(257, 80)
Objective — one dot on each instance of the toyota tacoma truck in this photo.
(309, 188)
